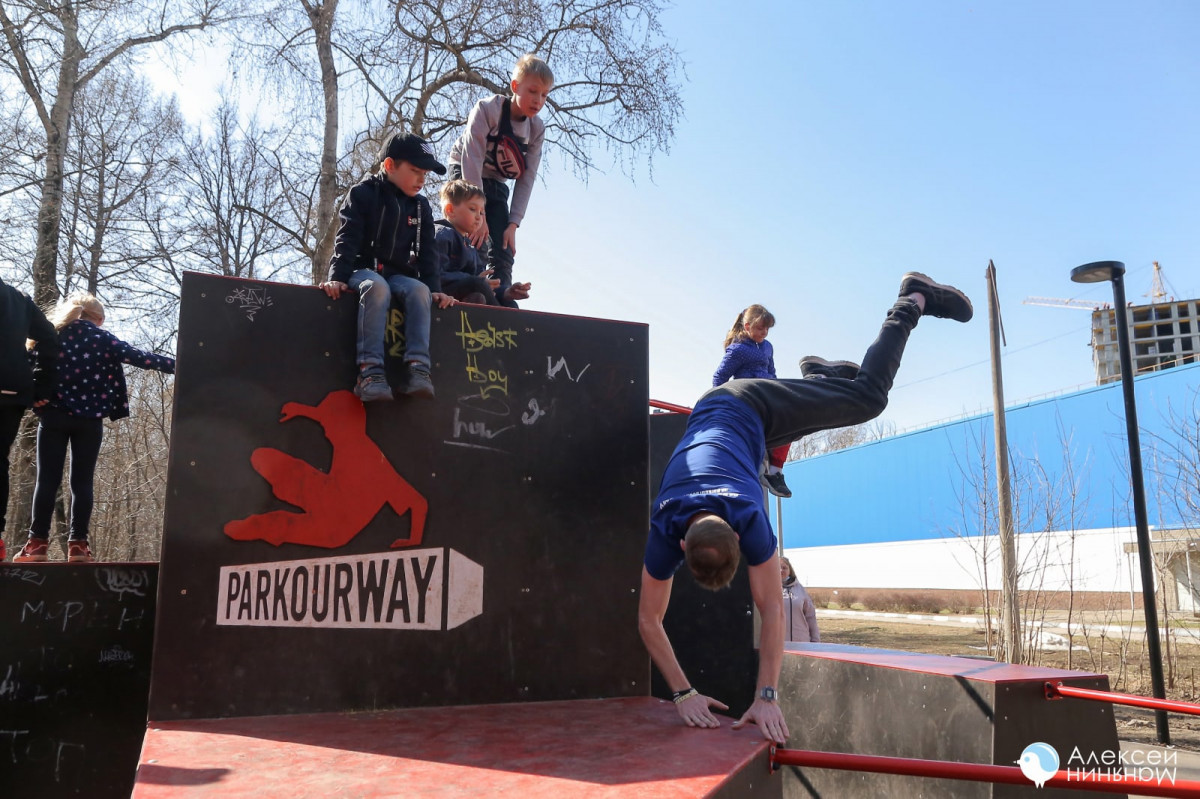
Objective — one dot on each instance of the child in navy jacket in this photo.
(464, 272)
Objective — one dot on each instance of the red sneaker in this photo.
(34, 551)
(79, 552)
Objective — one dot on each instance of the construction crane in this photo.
(1055, 302)
(1157, 294)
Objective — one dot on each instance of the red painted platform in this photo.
(630, 747)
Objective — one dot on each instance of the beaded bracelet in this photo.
(681, 696)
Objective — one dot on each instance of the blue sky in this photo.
(828, 147)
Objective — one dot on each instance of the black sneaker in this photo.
(420, 384)
(776, 485)
(812, 366)
(942, 301)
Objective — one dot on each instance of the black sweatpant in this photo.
(10, 425)
(791, 409)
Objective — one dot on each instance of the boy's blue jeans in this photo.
(374, 295)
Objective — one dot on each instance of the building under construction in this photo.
(1163, 333)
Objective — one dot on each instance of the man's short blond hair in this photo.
(529, 64)
(712, 552)
(457, 192)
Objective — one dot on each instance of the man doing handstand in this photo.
(710, 509)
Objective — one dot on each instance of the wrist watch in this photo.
(768, 694)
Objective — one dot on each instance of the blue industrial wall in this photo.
(908, 487)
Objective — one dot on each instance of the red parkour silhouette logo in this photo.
(336, 505)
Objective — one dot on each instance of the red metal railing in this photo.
(976, 772)
(669, 406)
(1056, 690)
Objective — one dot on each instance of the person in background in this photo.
(503, 142)
(384, 250)
(749, 354)
(463, 270)
(799, 612)
(24, 382)
(90, 386)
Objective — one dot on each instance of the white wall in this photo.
(1044, 559)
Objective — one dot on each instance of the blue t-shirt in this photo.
(714, 469)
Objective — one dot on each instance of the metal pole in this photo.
(1115, 781)
(1145, 553)
(1058, 690)
(1010, 609)
(779, 522)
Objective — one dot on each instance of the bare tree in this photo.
(828, 441)
(617, 91)
(123, 152)
(229, 195)
(54, 50)
(298, 35)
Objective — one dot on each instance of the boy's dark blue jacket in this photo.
(21, 383)
(455, 253)
(379, 225)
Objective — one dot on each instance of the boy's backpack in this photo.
(506, 151)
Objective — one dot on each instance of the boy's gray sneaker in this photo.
(372, 387)
(812, 366)
(943, 301)
(420, 384)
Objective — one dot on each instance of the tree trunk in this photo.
(45, 260)
(321, 16)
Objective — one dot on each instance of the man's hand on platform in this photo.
(334, 288)
(769, 719)
(695, 710)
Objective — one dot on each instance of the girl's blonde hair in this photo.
(750, 316)
(77, 305)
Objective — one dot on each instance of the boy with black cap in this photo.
(385, 245)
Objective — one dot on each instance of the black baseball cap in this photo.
(413, 149)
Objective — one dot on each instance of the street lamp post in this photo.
(1114, 271)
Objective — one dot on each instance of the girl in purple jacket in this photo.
(90, 386)
(749, 354)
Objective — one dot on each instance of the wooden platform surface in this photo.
(628, 747)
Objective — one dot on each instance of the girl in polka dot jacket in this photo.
(91, 385)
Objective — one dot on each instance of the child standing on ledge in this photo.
(90, 386)
(503, 142)
(749, 354)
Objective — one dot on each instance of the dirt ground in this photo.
(1127, 671)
